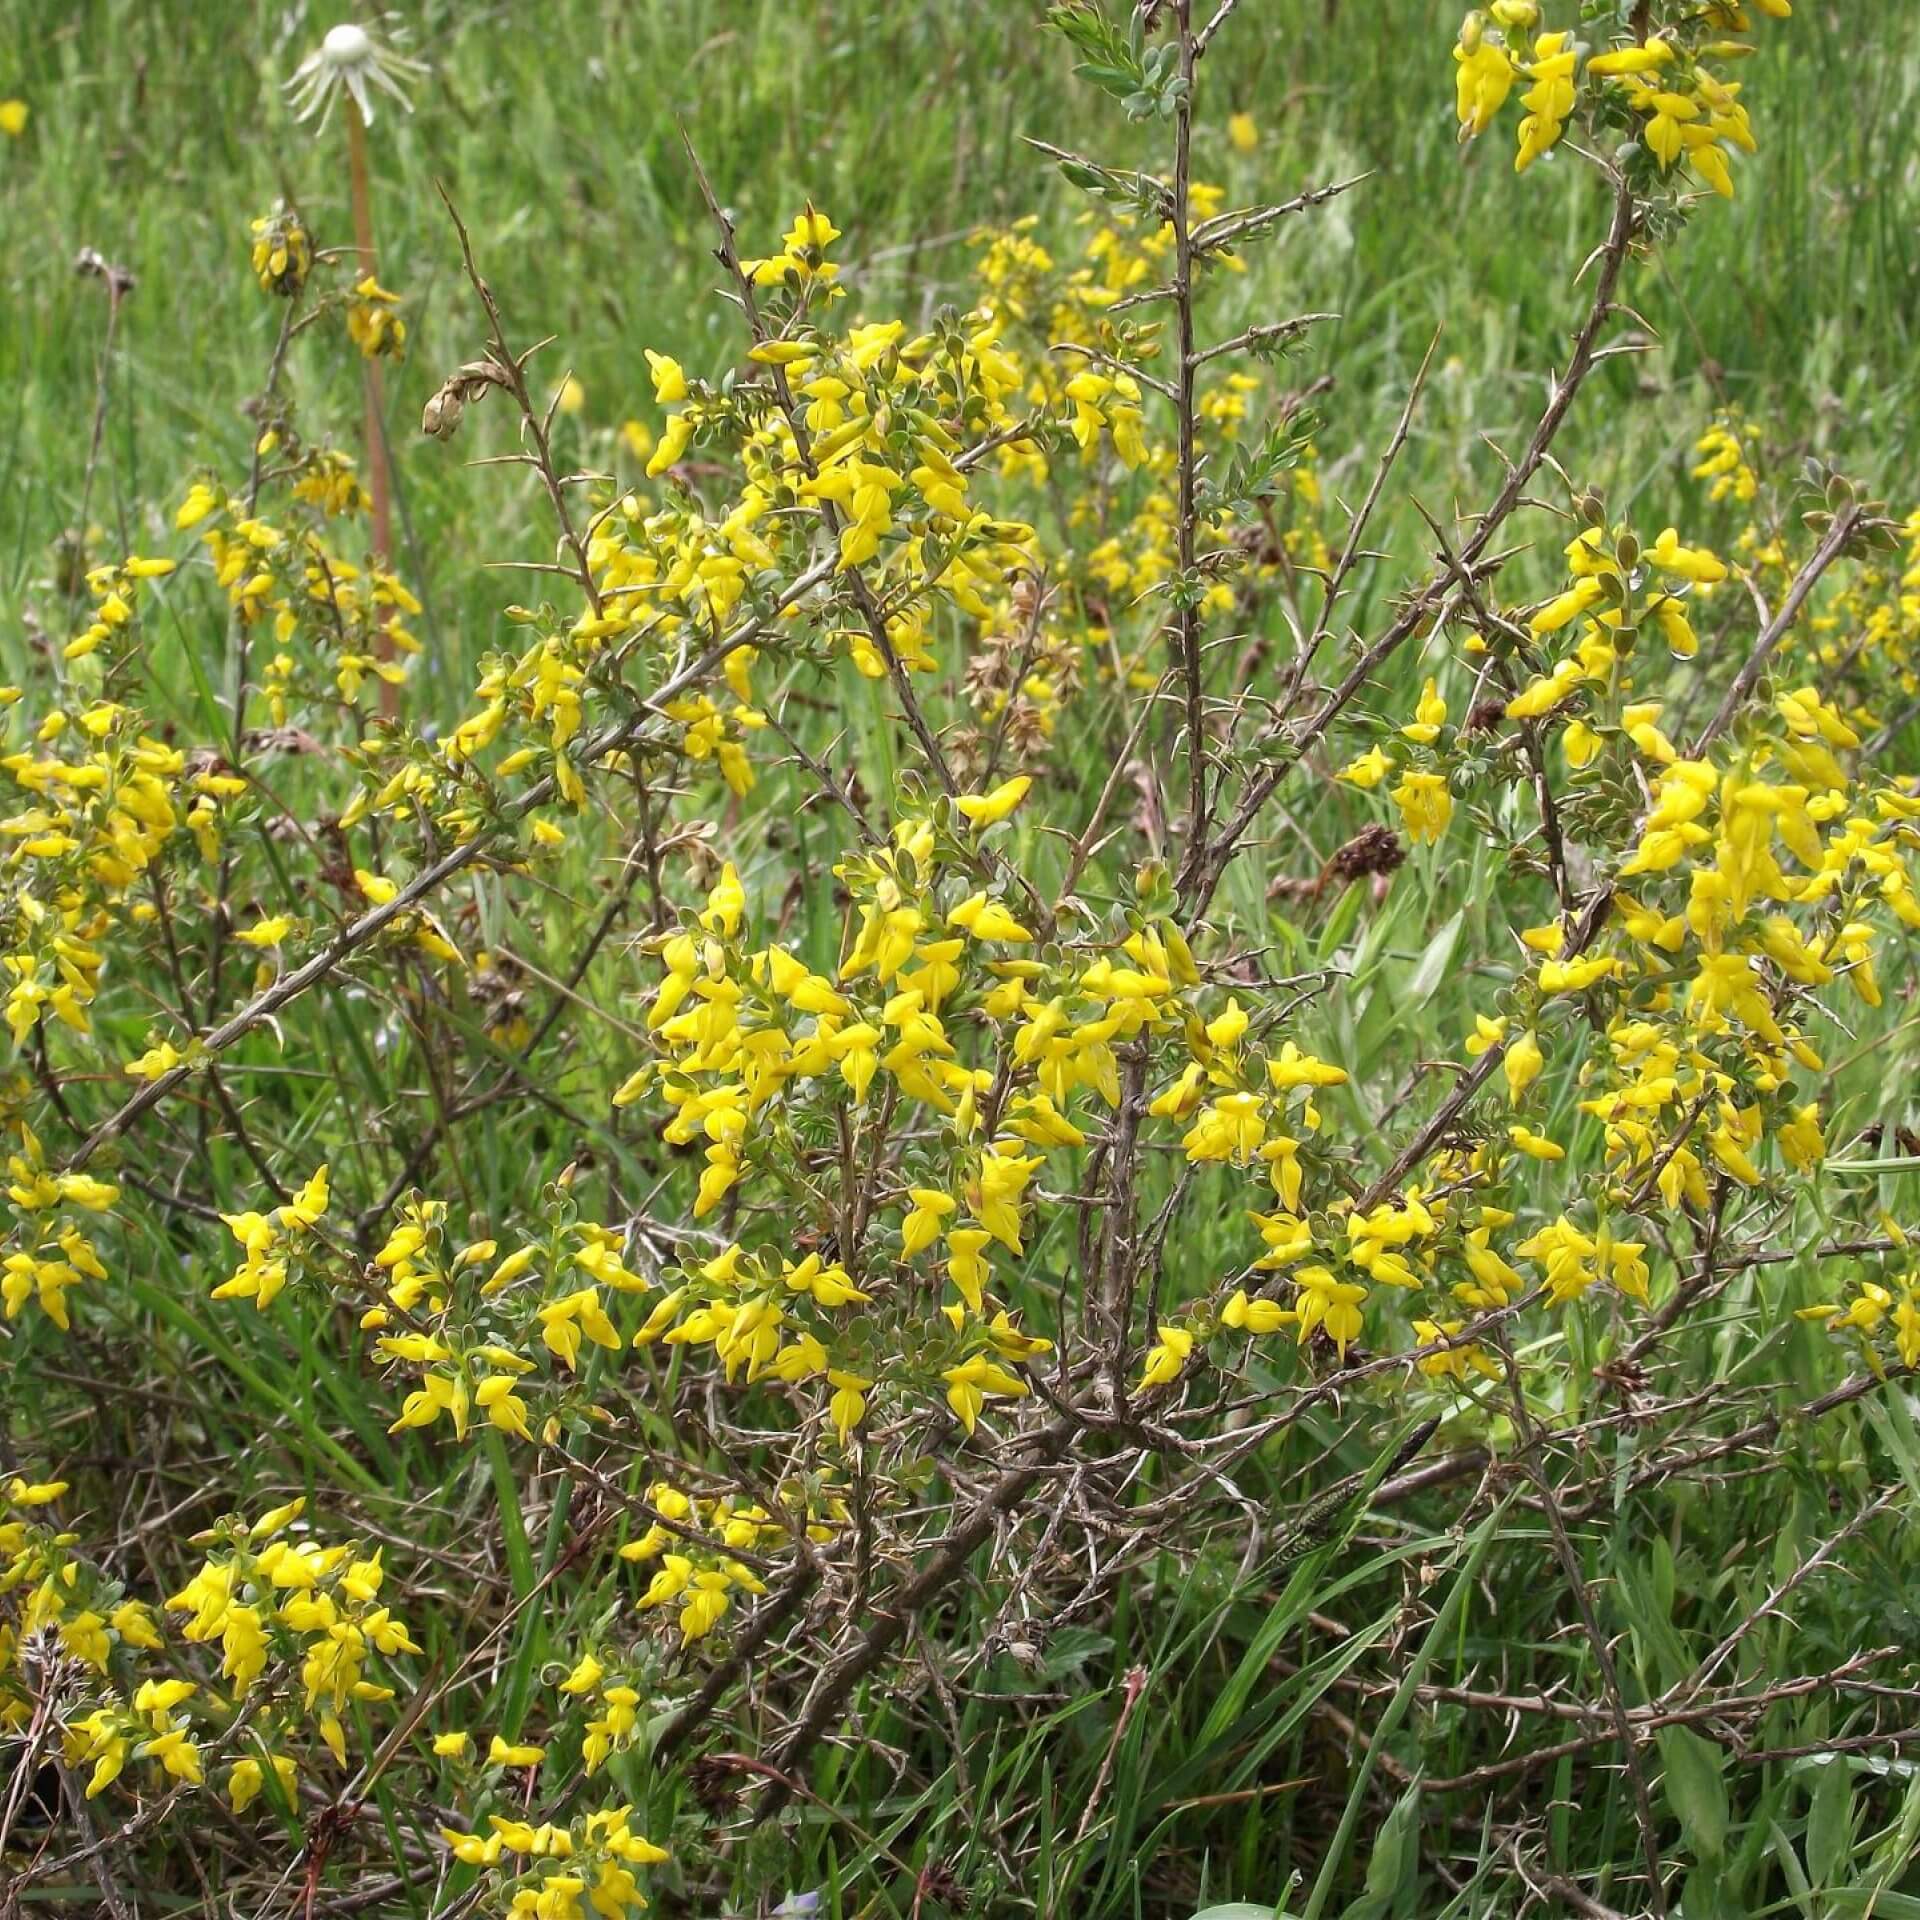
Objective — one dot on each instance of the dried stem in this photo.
(1845, 524)
(1187, 585)
(379, 483)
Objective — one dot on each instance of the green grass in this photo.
(1006, 1758)
(160, 130)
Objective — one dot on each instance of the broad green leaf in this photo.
(1830, 1824)
(1434, 963)
(1695, 1790)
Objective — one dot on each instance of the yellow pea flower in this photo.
(1166, 1357)
(986, 919)
(1429, 716)
(158, 1059)
(1521, 1064)
(921, 1227)
(1536, 1145)
(1425, 805)
(848, 1407)
(669, 381)
(989, 809)
(1255, 1316)
(1368, 771)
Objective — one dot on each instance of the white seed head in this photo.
(347, 45)
(350, 61)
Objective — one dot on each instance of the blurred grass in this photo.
(159, 129)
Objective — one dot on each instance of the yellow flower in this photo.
(1452, 1362)
(1484, 80)
(1368, 771)
(967, 1265)
(1255, 1316)
(829, 1285)
(988, 809)
(1627, 60)
(726, 904)
(1292, 1068)
(158, 1059)
(987, 919)
(1906, 1322)
(282, 255)
(177, 1754)
(1521, 1063)
(374, 322)
(1536, 1145)
(1548, 101)
(921, 1227)
(503, 1407)
(1329, 1303)
(1801, 1140)
(14, 115)
(1486, 1033)
(1425, 805)
(1243, 133)
(1166, 1357)
(587, 1674)
(563, 1322)
(974, 1382)
(1575, 976)
(1429, 716)
(247, 1777)
(848, 1406)
(669, 382)
(675, 437)
(1689, 563)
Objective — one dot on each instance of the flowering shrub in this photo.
(986, 1149)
